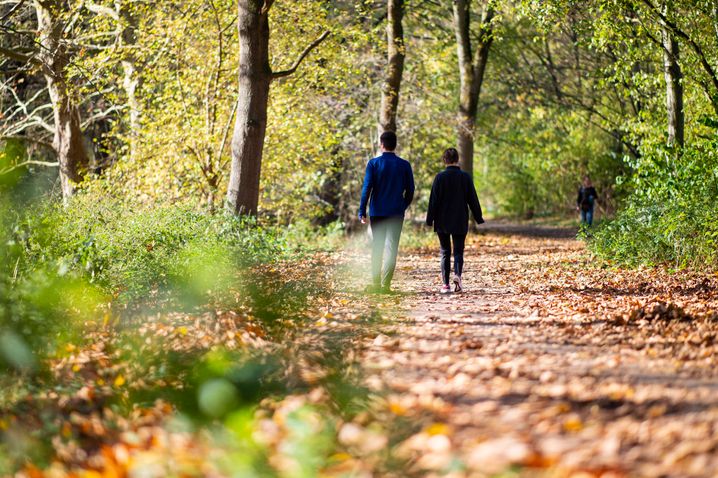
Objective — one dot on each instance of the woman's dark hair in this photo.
(451, 156)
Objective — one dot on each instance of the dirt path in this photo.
(551, 368)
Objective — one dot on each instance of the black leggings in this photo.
(445, 241)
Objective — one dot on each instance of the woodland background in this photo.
(118, 123)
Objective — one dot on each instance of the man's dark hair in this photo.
(388, 140)
(451, 156)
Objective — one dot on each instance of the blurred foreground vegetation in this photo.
(166, 333)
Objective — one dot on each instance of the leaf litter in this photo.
(555, 365)
(548, 365)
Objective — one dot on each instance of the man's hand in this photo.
(362, 219)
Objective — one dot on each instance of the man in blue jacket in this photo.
(389, 190)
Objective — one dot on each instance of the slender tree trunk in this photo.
(467, 114)
(471, 76)
(68, 141)
(255, 76)
(131, 78)
(396, 53)
(330, 193)
(674, 87)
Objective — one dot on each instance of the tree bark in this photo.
(396, 54)
(674, 86)
(471, 75)
(128, 23)
(255, 76)
(68, 141)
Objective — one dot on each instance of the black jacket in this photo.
(586, 198)
(452, 194)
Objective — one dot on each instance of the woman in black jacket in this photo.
(452, 195)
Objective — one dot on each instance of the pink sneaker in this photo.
(457, 284)
(445, 289)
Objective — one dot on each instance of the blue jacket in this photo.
(389, 183)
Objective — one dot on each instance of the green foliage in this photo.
(63, 265)
(670, 217)
(667, 194)
(537, 170)
(39, 308)
(132, 252)
(12, 153)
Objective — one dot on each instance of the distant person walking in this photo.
(586, 200)
(452, 195)
(388, 189)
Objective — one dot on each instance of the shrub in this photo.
(65, 266)
(670, 216)
(132, 253)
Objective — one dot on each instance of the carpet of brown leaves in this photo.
(547, 365)
(552, 364)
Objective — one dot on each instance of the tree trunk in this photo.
(396, 53)
(68, 141)
(131, 79)
(255, 76)
(330, 193)
(674, 87)
(471, 76)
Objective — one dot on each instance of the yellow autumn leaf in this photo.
(438, 429)
(341, 456)
(397, 408)
(573, 424)
(119, 381)
(90, 474)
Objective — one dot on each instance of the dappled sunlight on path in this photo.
(548, 364)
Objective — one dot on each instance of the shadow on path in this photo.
(528, 230)
(530, 360)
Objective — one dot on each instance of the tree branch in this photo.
(102, 10)
(101, 115)
(12, 11)
(29, 139)
(225, 133)
(18, 56)
(28, 163)
(307, 50)
(681, 34)
(267, 5)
